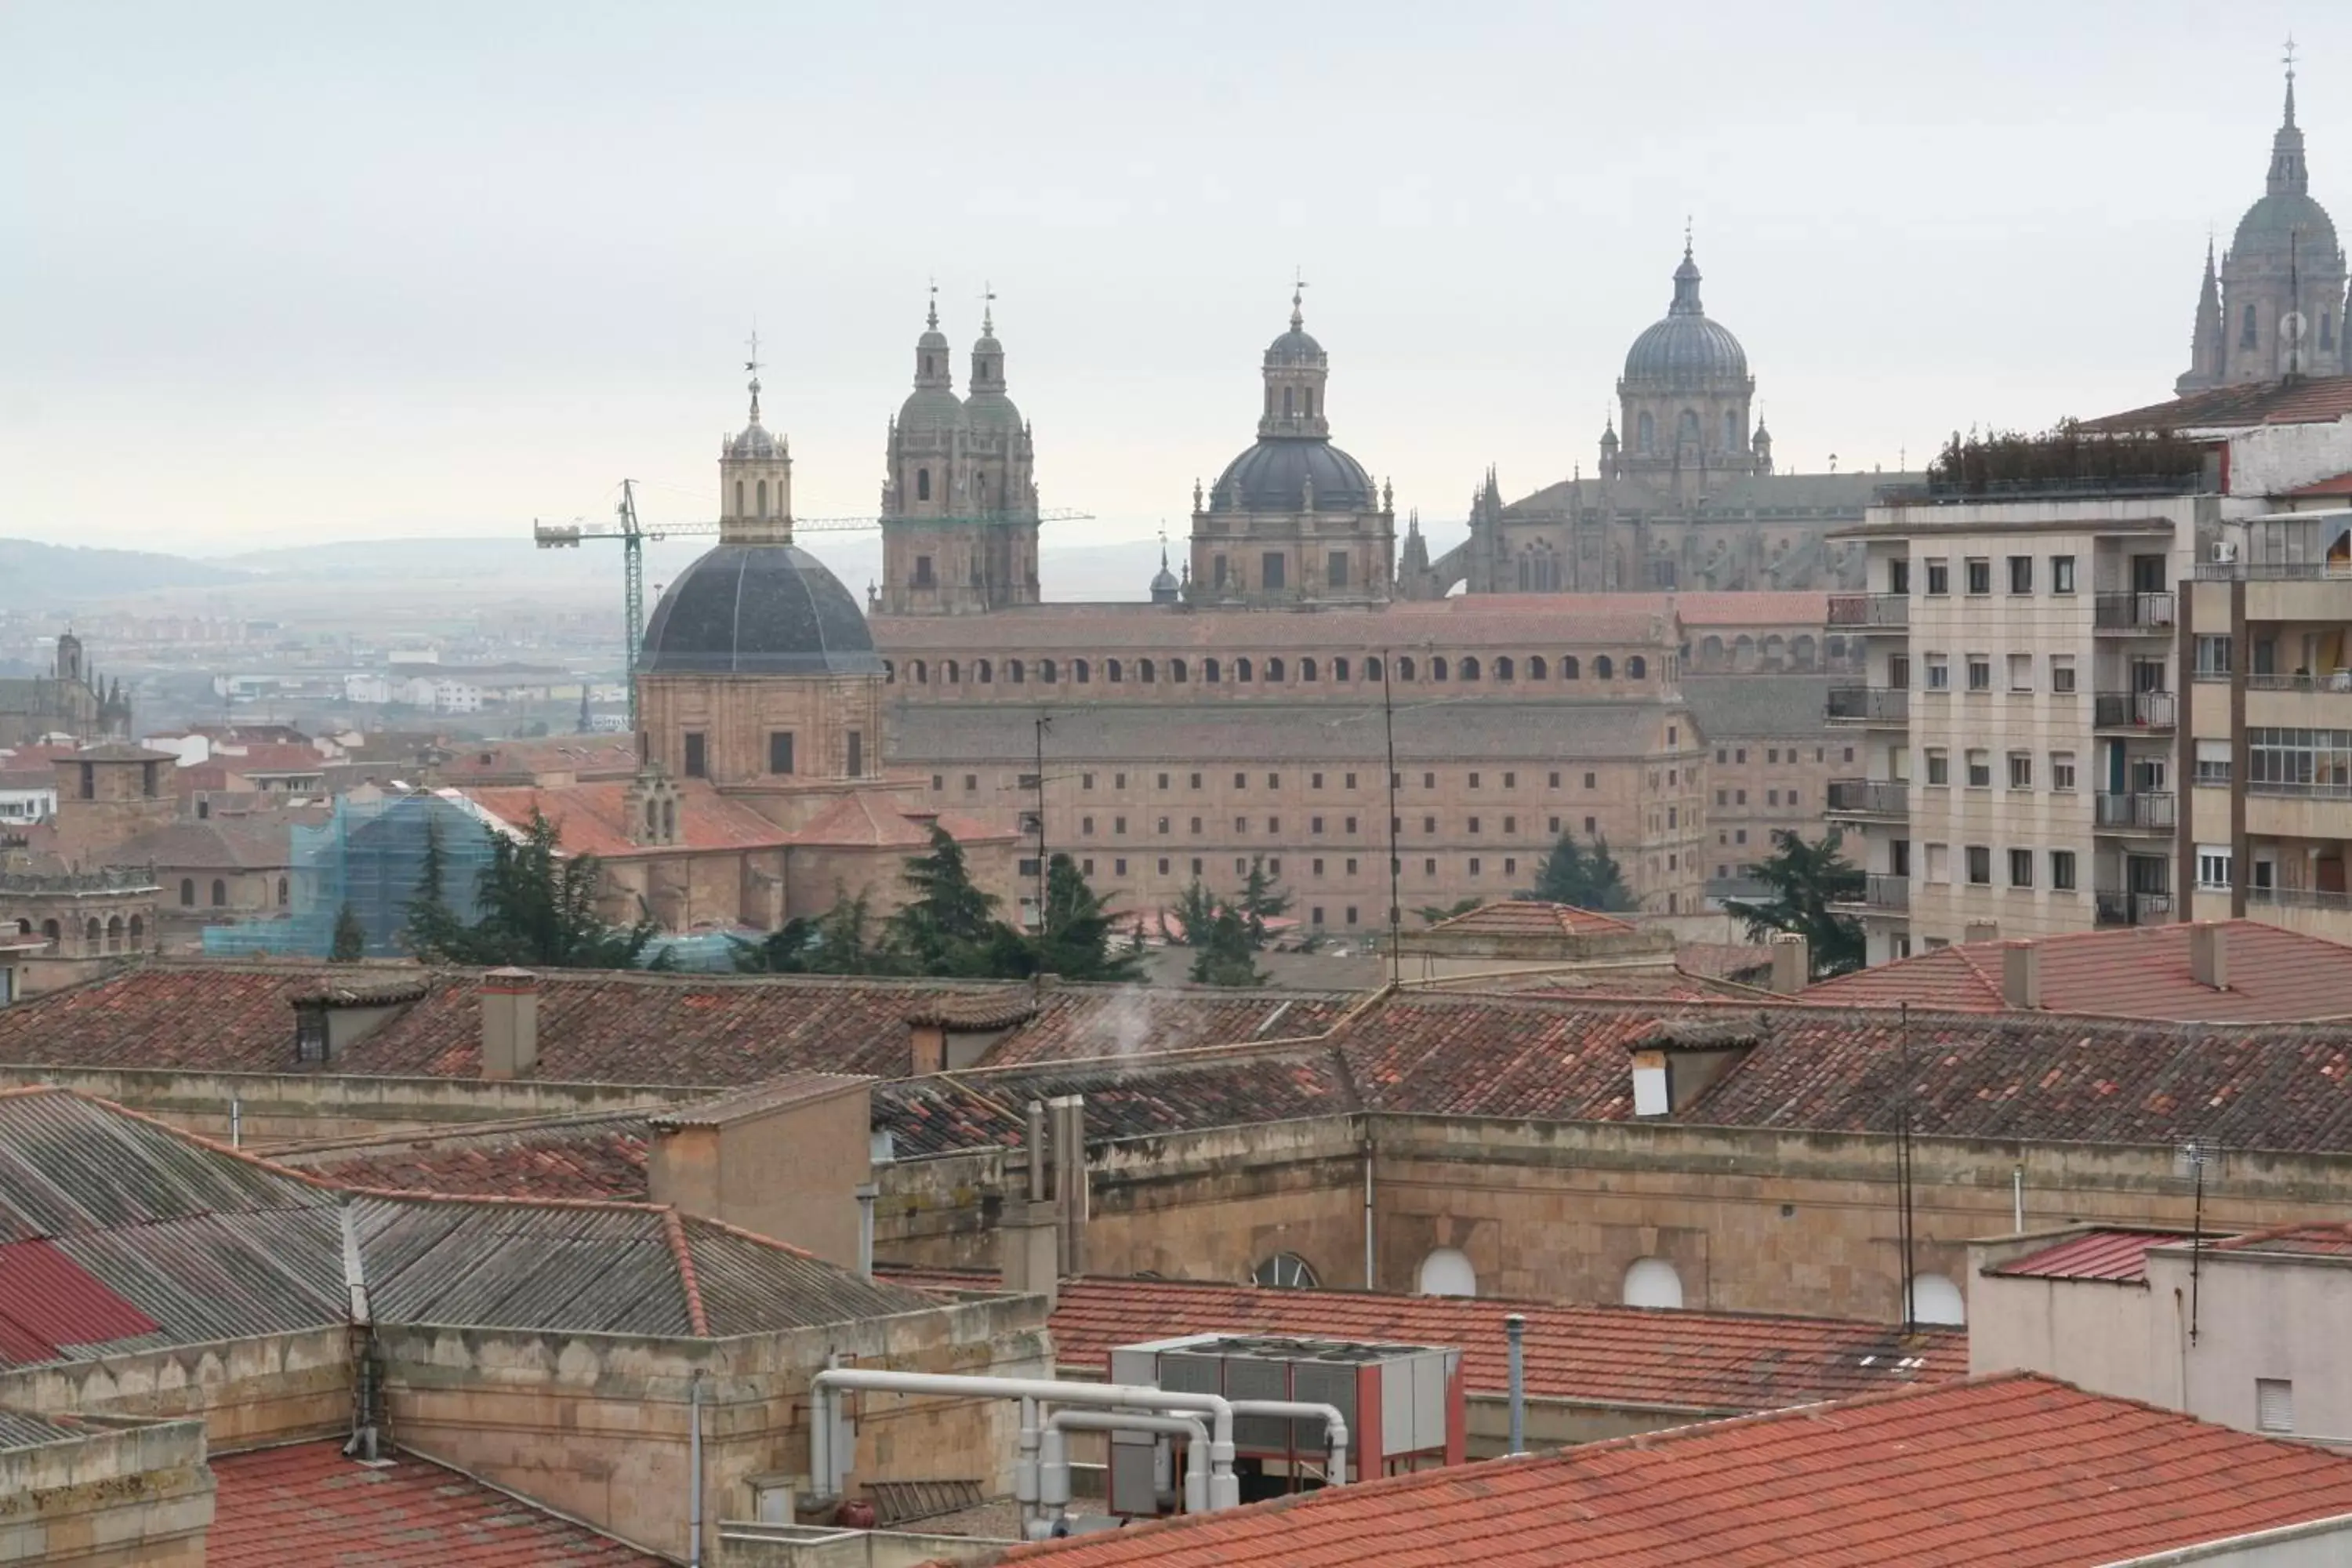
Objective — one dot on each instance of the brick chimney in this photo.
(510, 1023)
(1981, 931)
(2208, 954)
(2020, 974)
(1792, 963)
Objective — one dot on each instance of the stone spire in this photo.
(2288, 174)
(1686, 277)
(2207, 347)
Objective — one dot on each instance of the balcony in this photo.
(2128, 613)
(2145, 711)
(2142, 812)
(2120, 909)
(1886, 799)
(2298, 898)
(1870, 705)
(1871, 611)
(1882, 894)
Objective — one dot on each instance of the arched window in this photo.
(1567, 668)
(739, 497)
(92, 936)
(1504, 669)
(1082, 671)
(1446, 1272)
(1309, 394)
(24, 927)
(1687, 429)
(2250, 335)
(282, 893)
(890, 672)
(1014, 672)
(1273, 671)
(49, 930)
(1470, 668)
(1405, 667)
(1371, 669)
(1437, 667)
(1536, 671)
(114, 934)
(1209, 671)
(1111, 671)
(1803, 652)
(763, 497)
(1144, 671)
(1648, 440)
(1652, 1282)
(1603, 670)
(955, 672)
(922, 484)
(1339, 668)
(1731, 430)
(187, 893)
(923, 672)
(138, 934)
(1710, 652)
(1636, 667)
(220, 894)
(1935, 1299)
(1305, 670)
(1286, 403)
(1284, 1272)
(1177, 672)
(1241, 670)
(984, 671)
(1047, 672)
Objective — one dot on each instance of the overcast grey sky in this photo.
(277, 272)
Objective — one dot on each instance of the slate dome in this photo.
(758, 609)
(1684, 351)
(1272, 476)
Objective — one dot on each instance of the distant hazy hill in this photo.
(35, 575)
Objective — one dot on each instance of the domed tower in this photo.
(1293, 519)
(755, 476)
(2282, 299)
(1684, 397)
(758, 673)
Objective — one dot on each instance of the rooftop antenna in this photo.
(1903, 1193)
(1297, 297)
(1045, 722)
(987, 308)
(1396, 908)
(2196, 1155)
(934, 319)
(751, 369)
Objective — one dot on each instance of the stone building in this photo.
(959, 501)
(2277, 306)
(1686, 497)
(69, 702)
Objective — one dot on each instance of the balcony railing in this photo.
(2132, 710)
(2132, 613)
(1870, 609)
(1870, 704)
(2333, 680)
(2141, 811)
(2299, 897)
(1869, 797)
(2120, 909)
(1881, 890)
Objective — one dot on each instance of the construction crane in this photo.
(633, 534)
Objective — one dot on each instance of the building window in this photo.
(1938, 671)
(1980, 575)
(1591, 780)
(2021, 672)
(2213, 762)
(2021, 770)
(2062, 674)
(1979, 770)
(187, 893)
(2021, 575)
(780, 751)
(923, 491)
(1979, 672)
(2062, 770)
(857, 754)
(1981, 865)
(2213, 867)
(1652, 1281)
(1603, 670)
(220, 894)
(2249, 335)
(2212, 658)
(1940, 578)
(2062, 573)
(2274, 1404)
(1335, 572)
(1939, 767)
(1119, 866)
(971, 782)
(2021, 868)
(2062, 870)
(698, 759)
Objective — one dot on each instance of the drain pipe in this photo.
(1515, 1325)
(827, 1468)
(1335, 1428)
(866, 1193)
(1195, 1431)
(694, 1463)
(1025, 1480)
(1371, 1281)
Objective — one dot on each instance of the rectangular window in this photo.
(1741, 797)
(1980, 574)
(1591, 827)
(1163, 781)
(1351, 871)
(1241, 781)
(1721, 756)
(1473, 825)
(2062, 770)
(1351, 825)
(1773, 756)
(2213, 867)
(2213, 762)
(2021, 770)
(1723, 797)
(1939, 862)
(2062, 870)
(1319, 865)
(2062, 674)
(1335, 575)
(1940, 578)
(1196, 828)
(1428, 868)
(2021, 868)
(1429, 825)
(1740, 836)
(2062, 573)
(1979, 672)
(1351, 781)
(1979, 770)
(1118, 867)
(1474, 864)
(1351, 914)
(1270, 571)
(1086, 781)
(780, 750)
(971, 782)
(1555, 781)
(2021, 574)
(1163, 828)
(1274, 824)
(1898, 575)
(1473, 781)
(1981, 865)
(1939, 765)
(1771, 797)
(2274, 1404)
(1510, 825)
(1315, 781)
(2021, 672)
(1940, 672)
(939, 781)
(1511, 781)
(1592, 781)
(1241, 825)
(1315, 825)
(1274, 780)
(857, 754)
(1119, 825)
(697, 756)
(1163, 864)
(2212, 658)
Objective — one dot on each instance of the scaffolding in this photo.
(369, 858)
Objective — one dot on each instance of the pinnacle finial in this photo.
(987, 310)
(751, 368)
(933, 321)
(1297, 299)
(2290, 81)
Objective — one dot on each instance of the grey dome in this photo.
(930, 408)
(756, 441)
(2269, 221)
(1295, 346)
(991, 412)
(1272, 476)
(758, 609)
(1685, 351)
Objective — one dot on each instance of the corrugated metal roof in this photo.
(18, 1430)
(49, 1301)
(2119, 1256)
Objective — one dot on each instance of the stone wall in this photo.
(249, 1394)
(136, 1496)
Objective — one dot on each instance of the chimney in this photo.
(1792, 963)
(510, 1023)
(1068, 1114)
(1028, 1232)
(2208, 954)
(1982, 931)
(2020, 974)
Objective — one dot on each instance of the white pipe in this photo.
(2017, 1197)
(1335, 1427)
(827, 1468)
(1025, 1464)
(1190, 1427)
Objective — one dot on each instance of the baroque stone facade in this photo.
(70, 701)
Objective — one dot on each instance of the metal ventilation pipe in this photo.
(1335, 1428)
(1055, 1489)
(1516, 1326)
(694, 1483)
(827, 1467)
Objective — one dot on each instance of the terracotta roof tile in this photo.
(306, 1503)
(2311, 1237)
(592, 818)
(601, 1158)
(2315, 400)
(1529, 917)
(2017, 1469)
(2340, 484)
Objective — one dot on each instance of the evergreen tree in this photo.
(834, 942)
(1074, 938)
(538, 909)
(1196, 907)
(429, 925)
(1806, 879)
(1432, 914)
(950, 926)
(1587, 878)
(351, 938)
(1224, 953)
(1261, 902)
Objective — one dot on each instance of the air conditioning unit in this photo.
(2225, 550)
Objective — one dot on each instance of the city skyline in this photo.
(445, 280)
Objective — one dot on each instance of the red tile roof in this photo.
(1529, 917)
(2106, 1253)
(592, 818)
(1684, 1360)
(307, 1504)
(2320, 1238)
(2341, 485)
(600, 1158)
(2317, 400)
(2017, 1469)
(2127, 971)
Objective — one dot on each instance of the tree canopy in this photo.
(1226, 934)
(1589, 879)
(538, 909)
(1806, 879)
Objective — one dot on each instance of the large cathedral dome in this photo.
(1684, 351)
(758, 609)
(1272, 476)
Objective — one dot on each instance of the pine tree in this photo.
(1587, 878)
(1224, 954)
(1432, 914)
(538, 909)
(1261, 902)
(1806, 880)
(1196, 907)
(349, 943)
(950, 926)
(1074, 938)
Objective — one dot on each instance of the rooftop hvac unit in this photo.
(2225, 550)
(1402, 1404)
